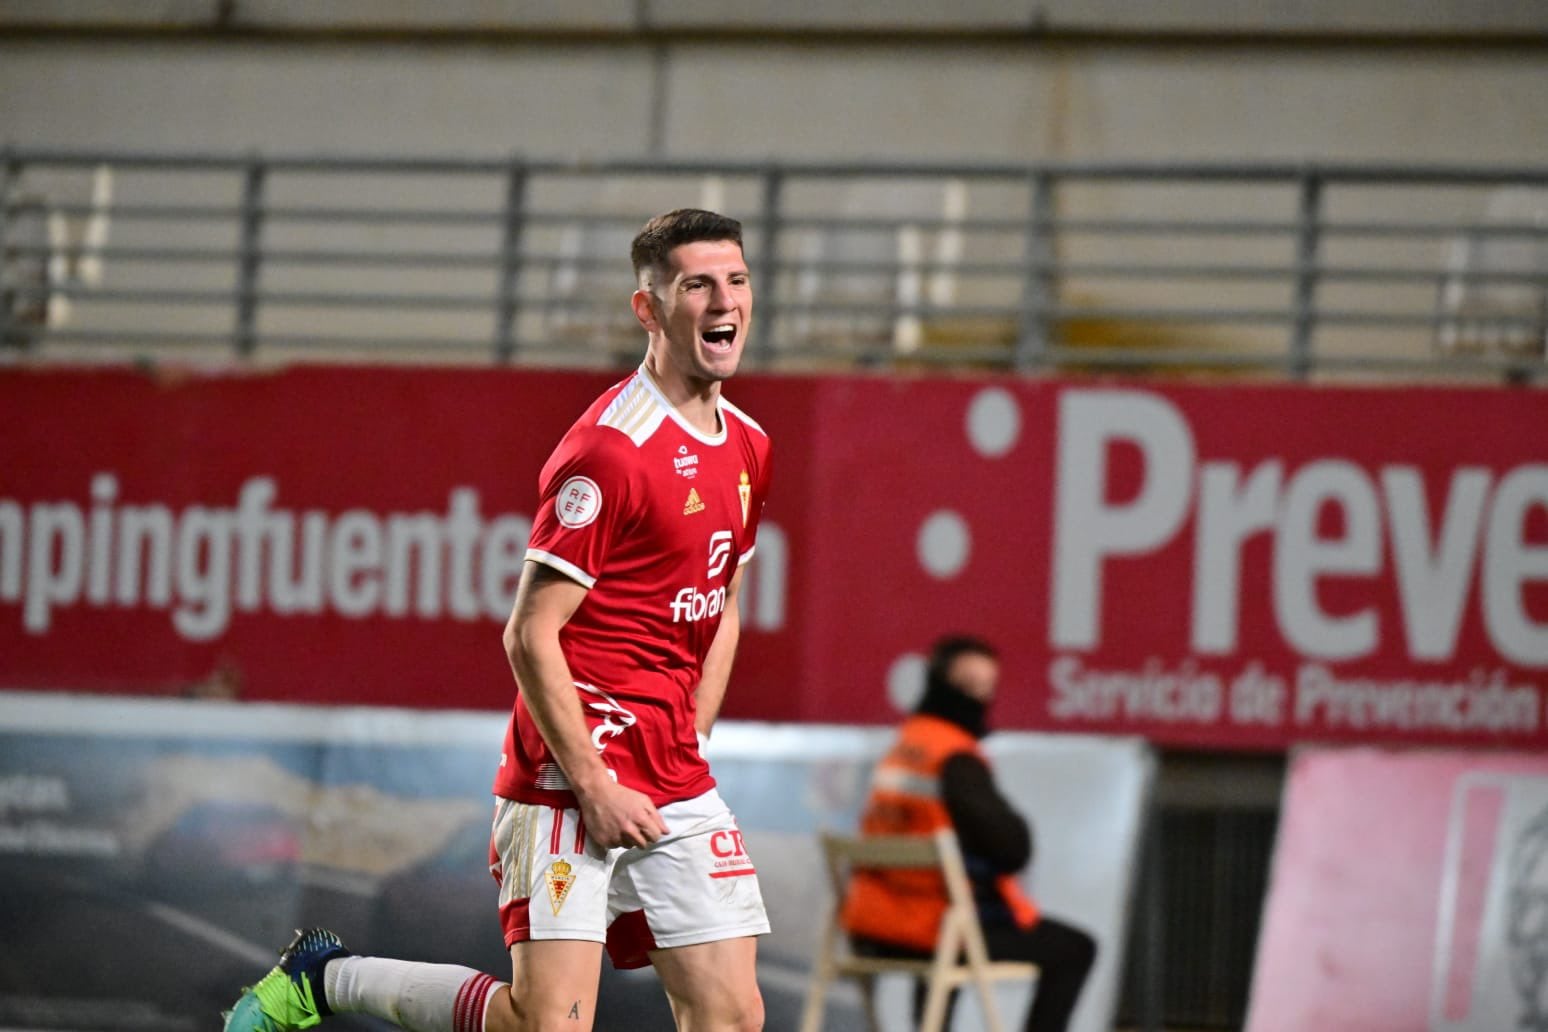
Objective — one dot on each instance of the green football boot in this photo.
(290, 996)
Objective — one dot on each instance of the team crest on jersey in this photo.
(744, 492)
(694, 503)
(561, 879)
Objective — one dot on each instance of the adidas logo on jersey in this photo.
(694, 503)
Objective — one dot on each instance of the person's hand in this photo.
(620, 816)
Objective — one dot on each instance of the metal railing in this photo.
(1288, 269)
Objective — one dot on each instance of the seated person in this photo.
(935, 776)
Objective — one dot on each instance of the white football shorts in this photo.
(696, 884)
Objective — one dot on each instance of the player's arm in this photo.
(711, 691)
(545, 601)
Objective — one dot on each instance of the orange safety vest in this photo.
(905, 907)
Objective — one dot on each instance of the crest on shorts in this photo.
(561, 879)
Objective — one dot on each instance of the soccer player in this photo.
(608, 829)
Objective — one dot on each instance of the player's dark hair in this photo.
(673, 229)
(945, 652)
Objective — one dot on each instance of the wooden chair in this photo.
(960, 954)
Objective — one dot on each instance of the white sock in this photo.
(416, 997)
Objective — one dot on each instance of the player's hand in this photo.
(620, 816)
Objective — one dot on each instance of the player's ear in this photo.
(644, 304)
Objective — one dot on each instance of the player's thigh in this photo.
(553, 986)
(712, 985)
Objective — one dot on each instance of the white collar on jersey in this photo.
(660, 397)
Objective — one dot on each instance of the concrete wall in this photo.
(1387, 17)
(968, 100)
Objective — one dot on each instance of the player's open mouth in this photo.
(719, 337)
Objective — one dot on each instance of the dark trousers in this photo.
(1063, 953)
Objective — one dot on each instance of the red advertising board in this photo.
(1215, 565)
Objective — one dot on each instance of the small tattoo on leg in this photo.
(575, 1010)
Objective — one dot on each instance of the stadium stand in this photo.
(1266, 268)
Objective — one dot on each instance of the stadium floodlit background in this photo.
(1194, 352)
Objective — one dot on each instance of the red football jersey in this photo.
(653, 517)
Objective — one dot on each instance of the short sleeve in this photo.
(584, 502)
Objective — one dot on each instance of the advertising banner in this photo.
(1205, 565)
(1410, 891)
(155, 853)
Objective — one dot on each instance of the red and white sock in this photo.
(416, 997)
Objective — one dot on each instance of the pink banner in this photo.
(1207, 565)
(1410, 892)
